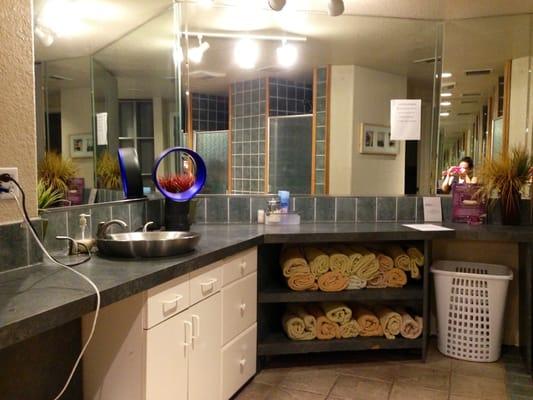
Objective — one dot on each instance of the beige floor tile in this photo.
(477, 387)
(488, 370)
(255, 391)
(405, 391)
(375, 371)
(424, 376)
(287, 394)
(271, 376)
(318, 381)
(355, 388)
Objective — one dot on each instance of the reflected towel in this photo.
(349, 329)
(338, 261)
(395, 278)
(292, 261)
(411, 327)
(295, 328)
(354, 282)
(390, 320)
(332, 282)
(317, 259)
(400, 257)
(337, 312)
(301, 281)
(368, 322)
(325, 329)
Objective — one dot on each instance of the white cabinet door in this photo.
(204, 360)
(167, 351)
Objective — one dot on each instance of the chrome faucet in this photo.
(101, 232)
(145, 226)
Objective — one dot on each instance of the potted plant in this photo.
(47, 196)
(55, 172)
(108, 171)
(177, 214)
(507, 176)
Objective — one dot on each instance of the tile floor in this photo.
(440, 378)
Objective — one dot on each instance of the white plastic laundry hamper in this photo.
(470, 308)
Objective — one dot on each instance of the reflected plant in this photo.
(108, 171)
(47, 196)
(55, 171)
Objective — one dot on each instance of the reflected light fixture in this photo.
(177, 54)
(335, 7)
(446, 74)
(446, 94)
(277, 5)
(446, 103)
(44, 35)
(287, 54)
(445, 114)
(197, 53)
(246, 53)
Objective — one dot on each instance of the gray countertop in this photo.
(37, 298)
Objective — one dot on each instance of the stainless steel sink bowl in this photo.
(147, 244)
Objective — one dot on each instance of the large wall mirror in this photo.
(296, 99)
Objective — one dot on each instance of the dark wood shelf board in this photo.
(277, 344)
(280, 294)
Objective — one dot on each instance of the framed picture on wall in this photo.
(81, 145)
(375, 139)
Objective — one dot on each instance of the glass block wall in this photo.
(213, 147)
(287, 97)
(209, 112)
(321, 121)
(248, 112)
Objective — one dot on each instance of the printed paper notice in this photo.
(432, 209)
(101, 129)
(405, 119)
(427, 227)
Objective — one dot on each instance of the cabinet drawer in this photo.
(238, 361)
(205, 282)
(166, 300)
(239, 306)
(238, 266)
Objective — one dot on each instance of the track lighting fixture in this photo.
(197, 53)
(335, 7)
(277, 5)
(246, 53)
(44, 35)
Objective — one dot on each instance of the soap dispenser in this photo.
(85, 241)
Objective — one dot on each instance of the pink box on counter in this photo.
(468, 205)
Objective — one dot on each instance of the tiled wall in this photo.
(209, 112)
(287, 97)
(248, 100)
(321, 129)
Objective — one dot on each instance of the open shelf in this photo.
(278, 343)
(279, 293)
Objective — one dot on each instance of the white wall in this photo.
(519, 93)
(359, 95)
(76, 119)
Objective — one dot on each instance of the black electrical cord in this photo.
(6, 178)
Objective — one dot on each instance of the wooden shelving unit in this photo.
(273, 295)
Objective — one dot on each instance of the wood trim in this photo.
(230, 146)
(506, 105)
(190, 130)
(313, 132)
(267, 149)
(328, 117)
(490, 113)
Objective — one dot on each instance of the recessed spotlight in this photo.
(446, 94)
(446, 74)
(277, 5)
(287, 55)
(335, 7)
(446, 103)
(197, 53)
(445, 114)
(246, 53)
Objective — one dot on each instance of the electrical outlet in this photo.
(14, 172)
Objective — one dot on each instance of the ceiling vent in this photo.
(464, 114)
(475, 72)
(59, 78)
(469, 101)
(471, 94)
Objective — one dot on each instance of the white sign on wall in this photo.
(101, 128)
(405, 119)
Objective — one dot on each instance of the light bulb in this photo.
(287, 55)
(277, 5)
(446, 74)
(246, 53)
(446, 94)
(335, 7)
(197, 53)
(446, 103)
(444, 114)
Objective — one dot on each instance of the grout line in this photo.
(335, 217)
(396, 219)
(227, 209)
(250, 220)
(356, 201)
(314, 209)
(376, 216)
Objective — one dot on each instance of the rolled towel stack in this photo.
(395, 278)
(301, 281)
(400, 257)
(318, 260)
(293, 261)
(416, 261)
(367, 266)
(338, 261)
(326, 321)
(354, 282)
(333, 281)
